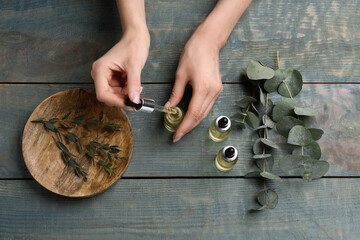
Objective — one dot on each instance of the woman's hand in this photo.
(199, 67)
(117, 74)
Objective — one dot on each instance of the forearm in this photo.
(132, 15)
(219, 24)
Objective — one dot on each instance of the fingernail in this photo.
(141, 88)
(167, 104)
(135, 97)
(177, 137)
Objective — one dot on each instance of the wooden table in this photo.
(172, 190)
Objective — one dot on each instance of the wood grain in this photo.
(156, 155)
(43, 158)
(57, 41)
(183, 209)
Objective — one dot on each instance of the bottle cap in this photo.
(145, 105)
(222, 123)
(229, 153)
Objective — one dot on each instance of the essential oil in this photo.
(220, 128)
(226, 158)
(173, 118)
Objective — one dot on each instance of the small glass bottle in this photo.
(173, 118)
(226, 158)
(220, 128)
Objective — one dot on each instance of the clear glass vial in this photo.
(220, 128)
(226, 158)
(173, 118)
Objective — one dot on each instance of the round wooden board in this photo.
(43, 158)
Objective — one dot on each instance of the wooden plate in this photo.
(44, 160)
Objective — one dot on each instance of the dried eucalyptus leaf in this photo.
(38, 120)
(90, 154)
(102, 152)
(252, 120)
(66, 116)
(64, 149)
(269, 143)
(72, 137)
(78, 119)
(312, 150)
(272, 84)
(268, 121)
(300, 136)
(256, 71)
(50, 126)
(286, 123)
(262, 156)
(316, 133)
(293, 81)
(268, 198)
(305, 111)
(262, 96)
(258, 147)
(252, 174)
(245, 101)
(270, 176)
(269, 163)
(284, 108)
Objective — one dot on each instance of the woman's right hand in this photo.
(117, 74)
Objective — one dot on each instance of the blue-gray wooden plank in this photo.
(154, 153)
(183, 209)
(57, 41)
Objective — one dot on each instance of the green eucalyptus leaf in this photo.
(316, 133)
(286, 123)
(252, 174)
(297, 165)
(300, 136)
(238, 116)
(245, 101)
(307, 177)
(102, 152)
(269, 122)
(260, 127)
(252, 120)
(254, 109)
(305, 111)
(258, 147)
(312, 150)
(53, 120)
(101, 163)
(241, 124)
(262, 156)
(90, 154)
(269, 163)
(293, 82)
(79, 144)
(272, 84)
(270, 176)
(262, 96)
(284, 108)
(269, 143)
(256, 71)
(268, 198)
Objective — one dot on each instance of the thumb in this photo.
(177, 92)
(134, 86)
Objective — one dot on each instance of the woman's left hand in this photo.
(199, 67)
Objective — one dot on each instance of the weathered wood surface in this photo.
(44, 160)
(57, 41)
(155, 154)
(183, 209)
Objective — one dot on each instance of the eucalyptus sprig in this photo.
(61, 127)
(286, 119)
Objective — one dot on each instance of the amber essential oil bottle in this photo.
(220, 128)
(173, 118)
(226, 158)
